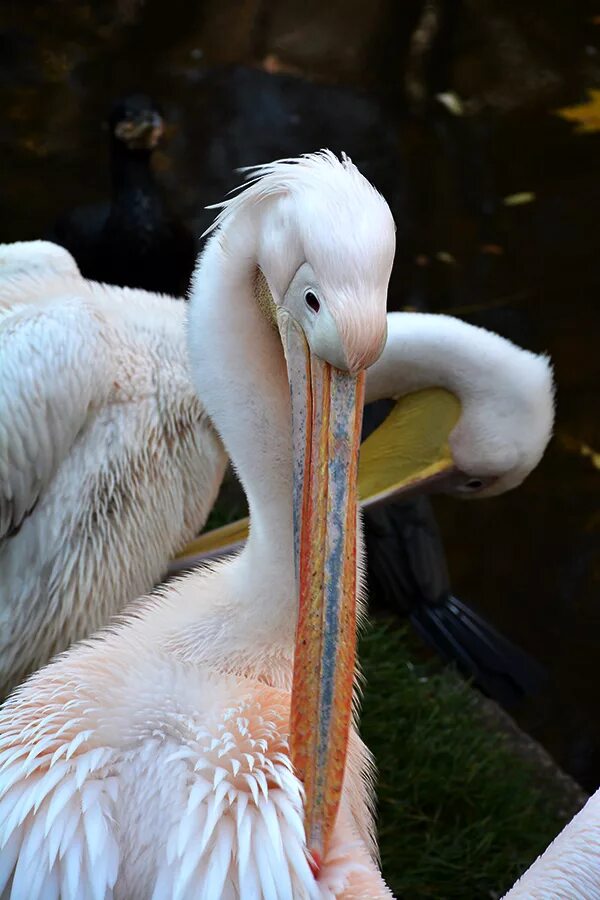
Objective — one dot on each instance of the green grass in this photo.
(461, 815)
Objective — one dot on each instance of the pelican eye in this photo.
(312, 301)
(473, 484)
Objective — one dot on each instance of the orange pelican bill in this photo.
(326, 425)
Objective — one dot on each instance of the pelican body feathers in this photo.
(108, 462)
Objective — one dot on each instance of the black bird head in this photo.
(136, 122)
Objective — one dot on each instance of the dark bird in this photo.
(407, 575)
(134, 240)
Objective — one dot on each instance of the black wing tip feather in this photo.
(499, 668)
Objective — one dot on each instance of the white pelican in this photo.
(154, 761)
(198, 685)
(108, 462)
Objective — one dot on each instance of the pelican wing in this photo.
(54, 371)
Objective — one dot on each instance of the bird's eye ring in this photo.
(312, 301)
(473, 484)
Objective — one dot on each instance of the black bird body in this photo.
(133, 240)
(407, 575)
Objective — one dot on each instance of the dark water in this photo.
(245, 82)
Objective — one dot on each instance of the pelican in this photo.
(203, 679)
(187, 751)
(108, 461)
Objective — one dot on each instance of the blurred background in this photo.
(479, 121)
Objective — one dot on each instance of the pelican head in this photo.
(324, 253)
(319, 241)
(495, 445)
(473, 412)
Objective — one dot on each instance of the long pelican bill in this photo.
(407, 453)
(326, 424)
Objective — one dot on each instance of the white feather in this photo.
(108, 464)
